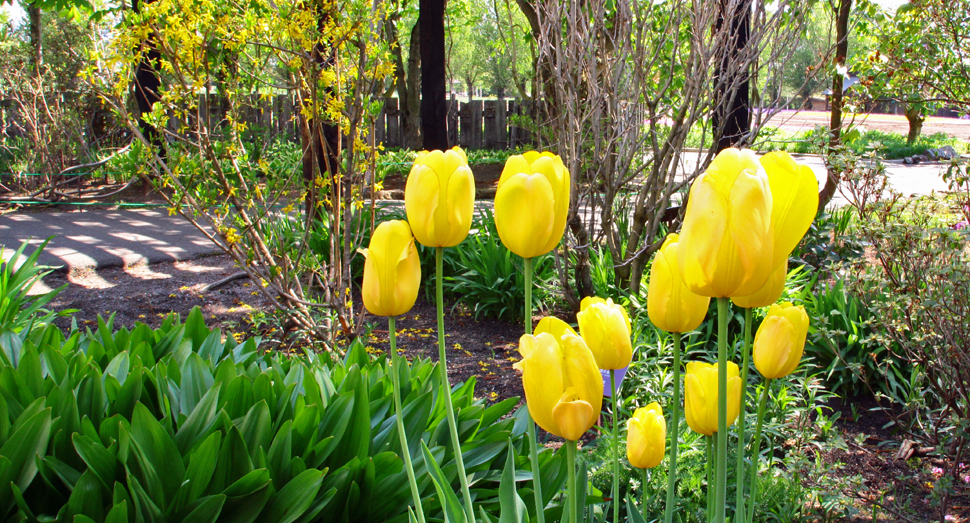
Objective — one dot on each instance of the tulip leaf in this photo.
(294, 498)
(99, 460)
(118, 513)
(206, 510)
(633, 513)
(28, 440)
(199, 421)
(86, 497)
(513, 510)
(454, 513)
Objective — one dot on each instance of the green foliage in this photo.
(18, 311)
(177, 424)
(887, 145)
(829, 241)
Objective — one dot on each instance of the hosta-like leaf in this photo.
(29, 439)
(99, 461)
(294, 498)
(512, 507)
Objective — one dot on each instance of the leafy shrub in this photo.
(177, 424)
(829, 240)
(890, 145)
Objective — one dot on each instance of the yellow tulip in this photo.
(794, 194)
(606, 328)
(392, 270)
(670, 304)
(700, 398)
(780, 340)
(726, 243)
(769, 293)
(563, 387)
(646, 438)
(439, 197)
(531, 203)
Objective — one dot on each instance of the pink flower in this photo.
(937, 471)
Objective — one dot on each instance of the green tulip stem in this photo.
(745, 354)
(616, 448)
(643, 492)
(527, 268)
(533, 443)
(674, 437)
(571, 481)
(398, 410)
(446, 387)
(723, 309)
(710, 477)
(756, 451)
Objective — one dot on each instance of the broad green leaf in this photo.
(202, 465)
(207, 510)
(86, 497)
(158, 447)
(512, 508)
(199, 421)
(28, 440)
(99, 460)
(118, 513)
(294, 498)
(454, 513)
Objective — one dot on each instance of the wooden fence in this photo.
(479, 124)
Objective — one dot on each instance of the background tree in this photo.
(922, 59)
(434, 104)
(625, 84)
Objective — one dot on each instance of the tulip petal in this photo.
(794, 192)
(524, 214)
(769, 292)
(750, 226)
(573, 416)
(421, 199)
(579, 371)
(554, 326)
(543, 380)
(456, 217)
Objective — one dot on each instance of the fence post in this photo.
(393, 135)
(489, 131)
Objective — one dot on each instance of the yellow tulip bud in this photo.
(726, 243)
(606, 328)
(439, 197)
(700, 396)
(780, 340)
(646, 440)
(531, 203)
(563, 387)
(794, 194)
(670, 304)
(769, 293)
(392, 270)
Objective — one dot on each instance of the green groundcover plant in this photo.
(179, 423)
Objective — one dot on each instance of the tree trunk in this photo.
(835, 124)
(736, 103)
(407, 86)
(915, 117)
(434, 104)
(36, 37)
(147, 88)
(471, 88)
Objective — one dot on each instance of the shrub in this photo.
(18, 275)
(179, 424)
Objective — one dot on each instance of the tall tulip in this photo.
(778, 348)
(392, 275)
(646, 437)
(563, 388)
(606, 328)
(532, 202)
(670, 304)
(701, 396)
(794, 193)
(392, 270)
(439, 197)
(675, 309)
(780, 340)
(726, 241)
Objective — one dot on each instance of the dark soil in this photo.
(867, 471)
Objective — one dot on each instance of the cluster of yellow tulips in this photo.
(743, 219)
